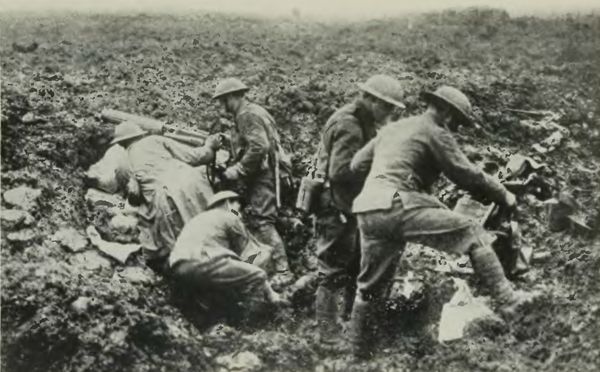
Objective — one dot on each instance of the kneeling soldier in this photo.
(207, 260)
(402, 162)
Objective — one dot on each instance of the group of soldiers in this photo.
(375, 197)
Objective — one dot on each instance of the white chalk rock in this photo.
(23, 197)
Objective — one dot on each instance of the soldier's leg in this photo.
(452, 232)
(262, 210)
(380, 252)
(336, 250)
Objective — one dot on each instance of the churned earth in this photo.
(75, 311)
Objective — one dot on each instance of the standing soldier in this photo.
(255, 153)
(405, 159)
(346, 131)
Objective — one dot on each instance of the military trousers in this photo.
(338, 253)
(226, 285)
(384, 233)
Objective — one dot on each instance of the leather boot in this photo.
(326, 313)
(362, 329)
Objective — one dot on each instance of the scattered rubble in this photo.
(71, 239)
(90, 260)
(15, 218)
(23, 238)
(98, 198)
(118, 251)
(23, 197)
(243, 362)
(136, 274)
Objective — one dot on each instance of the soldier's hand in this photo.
(231, 174)
(213, 142)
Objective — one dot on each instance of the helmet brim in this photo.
(213, 203)
(432, 97)
(235, 90)
(376, 94)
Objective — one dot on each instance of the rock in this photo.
(15, 218)
(89, 260)
(23, 238)
(97, 198)
(136, 275)
(82, 304)
(71, 239)
(118, 251)
(30, 118)
(245, 361)
(23, 197)
(123, 224)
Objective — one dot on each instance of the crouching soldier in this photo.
(255, 143)
(207, 261)
(403, 161)
(338, 253)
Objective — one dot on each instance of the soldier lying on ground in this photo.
(338, 253)
(170, 189)
(255, 145)
(405, 159)
(206, 261)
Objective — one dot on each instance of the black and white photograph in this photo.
(300, 185)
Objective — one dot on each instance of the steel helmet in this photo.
(384, 87)
(229, 85)
(454, 98)
(221, 196)
(127, 130)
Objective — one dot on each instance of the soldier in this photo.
(255, 144)
(170, 190)
(403, 161)
(207, 260)
(338, 254)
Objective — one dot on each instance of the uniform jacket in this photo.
(407, 157)
(255, 140)
(211, 235)
(346, 131)
(164, 170)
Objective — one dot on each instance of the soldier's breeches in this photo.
(266, 233)
(384, 233)
(223, 282)
(338, 253)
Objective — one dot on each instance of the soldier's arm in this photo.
(191, 155)
(252, 129)
(361, 162)
(457, 167)
(346, 142)
(237, 233)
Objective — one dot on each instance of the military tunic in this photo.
(174, 191)
(207, 259)
(348, 129)
(254, 146)
(403, 162)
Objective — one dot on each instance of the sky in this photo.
(340, 9)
